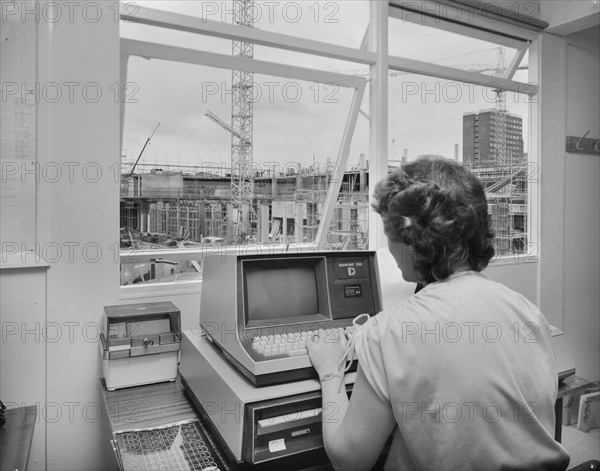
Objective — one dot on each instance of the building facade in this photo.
(480, 137)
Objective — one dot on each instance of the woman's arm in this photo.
(355, 431)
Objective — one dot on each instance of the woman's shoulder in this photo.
(457, 297)
(411, 308)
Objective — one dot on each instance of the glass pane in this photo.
(336, 22)
(414, 41)
(309, 61)
(349, 229)
(152, 272)
(473, 125)
(176, 186)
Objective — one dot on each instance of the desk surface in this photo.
(573, 383)
(151, 406)
(16, 437)
(146, 406)
(156, 405)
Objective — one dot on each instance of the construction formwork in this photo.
(180, 219)
(350, 224)
(129, 214)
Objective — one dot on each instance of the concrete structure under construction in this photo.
(172, 206)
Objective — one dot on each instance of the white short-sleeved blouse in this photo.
(468, 370)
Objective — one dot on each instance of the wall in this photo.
(52, 360)
(521, 277)
(85, 211)
(569, 234)
(80, 216)
(582, 221)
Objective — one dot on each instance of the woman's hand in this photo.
(326, 350)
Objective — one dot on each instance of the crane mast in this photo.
(500, 148)
(242, 123)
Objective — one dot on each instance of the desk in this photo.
(153, 405)
(160, 404)
(16, 437)
(569, 385)
(165, 403)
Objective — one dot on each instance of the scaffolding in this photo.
(506, 192)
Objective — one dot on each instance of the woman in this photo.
(461, 373)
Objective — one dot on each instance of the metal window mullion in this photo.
(514, 64)
(450, 73)
(378, 111)
(222, 61)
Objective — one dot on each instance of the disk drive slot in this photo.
(288, 421)
(303, 431)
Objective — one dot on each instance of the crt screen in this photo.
(276, 292)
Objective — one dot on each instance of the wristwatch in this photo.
(328, 376)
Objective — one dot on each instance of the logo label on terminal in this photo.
(355, 269)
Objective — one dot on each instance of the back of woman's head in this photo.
(439, 209)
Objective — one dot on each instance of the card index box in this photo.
(140, 344)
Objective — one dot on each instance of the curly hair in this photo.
(439, 209)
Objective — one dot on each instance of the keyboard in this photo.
(293, 344)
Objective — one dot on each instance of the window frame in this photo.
(373, 52)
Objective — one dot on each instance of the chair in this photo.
(591, 465)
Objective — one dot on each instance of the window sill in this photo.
(159, 290)
(156, 290)
(515, 259)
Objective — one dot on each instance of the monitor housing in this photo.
(248, 296)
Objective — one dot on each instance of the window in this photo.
(476, 118)
(270, 146)
(234, 156)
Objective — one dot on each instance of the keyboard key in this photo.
(298, 352)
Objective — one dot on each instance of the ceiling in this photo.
(591, 33)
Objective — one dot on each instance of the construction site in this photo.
(170, 207)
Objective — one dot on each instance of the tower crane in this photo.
(241, 128)
(242, 181)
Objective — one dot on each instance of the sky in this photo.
(297, 122)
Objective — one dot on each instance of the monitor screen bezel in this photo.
(317, 263)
